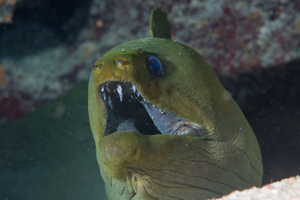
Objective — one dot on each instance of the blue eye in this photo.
(154, 66)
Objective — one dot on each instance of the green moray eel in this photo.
(164, 126)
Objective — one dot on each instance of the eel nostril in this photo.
(118, 63)
(97, 66)
(121, 63)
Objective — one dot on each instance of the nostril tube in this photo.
(118, 63)
(121, 63)
(97, 66)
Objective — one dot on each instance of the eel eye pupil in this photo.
(154, 66)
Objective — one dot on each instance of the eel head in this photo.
(164, 126)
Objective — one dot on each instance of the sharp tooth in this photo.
(133, 89)
(132, 97)
(109, 101)
(102, 88)
(137, 93)
(119, 89)
(108, 89)
(104, 95)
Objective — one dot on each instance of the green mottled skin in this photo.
(137, 166)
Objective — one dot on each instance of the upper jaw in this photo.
(127, 110)
(112, 90)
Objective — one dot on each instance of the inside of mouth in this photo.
(127, 110)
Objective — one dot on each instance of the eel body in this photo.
(164, 126)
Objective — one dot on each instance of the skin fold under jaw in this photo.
(169, 134)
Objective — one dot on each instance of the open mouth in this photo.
(127, 110)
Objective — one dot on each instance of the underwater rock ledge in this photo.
(286, 189)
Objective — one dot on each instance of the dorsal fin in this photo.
(159, 25)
